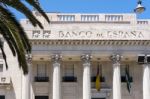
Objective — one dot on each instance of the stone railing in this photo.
(114, 18)
(66, 17)
(143, 22)
(87, 17)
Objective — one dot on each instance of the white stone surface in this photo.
(56, 81)
(86, 81)
(146, 80)
(116, 81)
(107, 27)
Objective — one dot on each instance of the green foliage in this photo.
(12, 31)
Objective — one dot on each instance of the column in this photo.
(30, 87)
(56, 77)
(86, 76)
(26, 79)
(146, 80)
(29, 82)
(116, 76)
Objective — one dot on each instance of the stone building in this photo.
(71, 51)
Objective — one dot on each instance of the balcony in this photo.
(93, 79)
(69, 79)
(41, 79)
(123, 79)
(41, 97)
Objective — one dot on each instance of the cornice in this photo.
(92, 42)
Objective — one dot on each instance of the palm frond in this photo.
(4, 33)
(14, 34)
(10, 17)
(3, 53)
(38, 8)
(18, 5)
(12, 31)
(18, 46)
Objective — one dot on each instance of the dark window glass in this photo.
(98, 98)
(93, 79)
(41, 70)
(41, 97)
(69, 75)
(123, 79)
(69, 70)
(69, 79)
(1, 67)
(2, 97)
(41, 73)
(141, 59)
(97, 70)
(124, 74)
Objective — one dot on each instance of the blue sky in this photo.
(93, 6)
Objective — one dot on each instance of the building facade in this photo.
(71, 52)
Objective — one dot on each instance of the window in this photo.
(41, 70)
(124, 73)
(69, 74)
(1, 67)
(69, 70)
(95, 69)
(2, 97)
(41, 97)
(41, 73)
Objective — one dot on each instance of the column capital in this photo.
(116, 58)
(86, 58)
(29, 58)
(56, 58)
(146, 59)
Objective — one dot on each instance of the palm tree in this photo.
(12, 31)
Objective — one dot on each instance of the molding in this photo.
(91, 22)
(92, 42)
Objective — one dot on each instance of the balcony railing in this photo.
(143, 22)
(89, 17)
(93, 79)
(123, 79)
(113, 17)
(66, 17)
(41, 79)
(98, 98)
(2, 97)
(69, 79)
(41, 97)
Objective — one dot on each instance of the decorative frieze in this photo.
(89, 34)
(91, 42)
